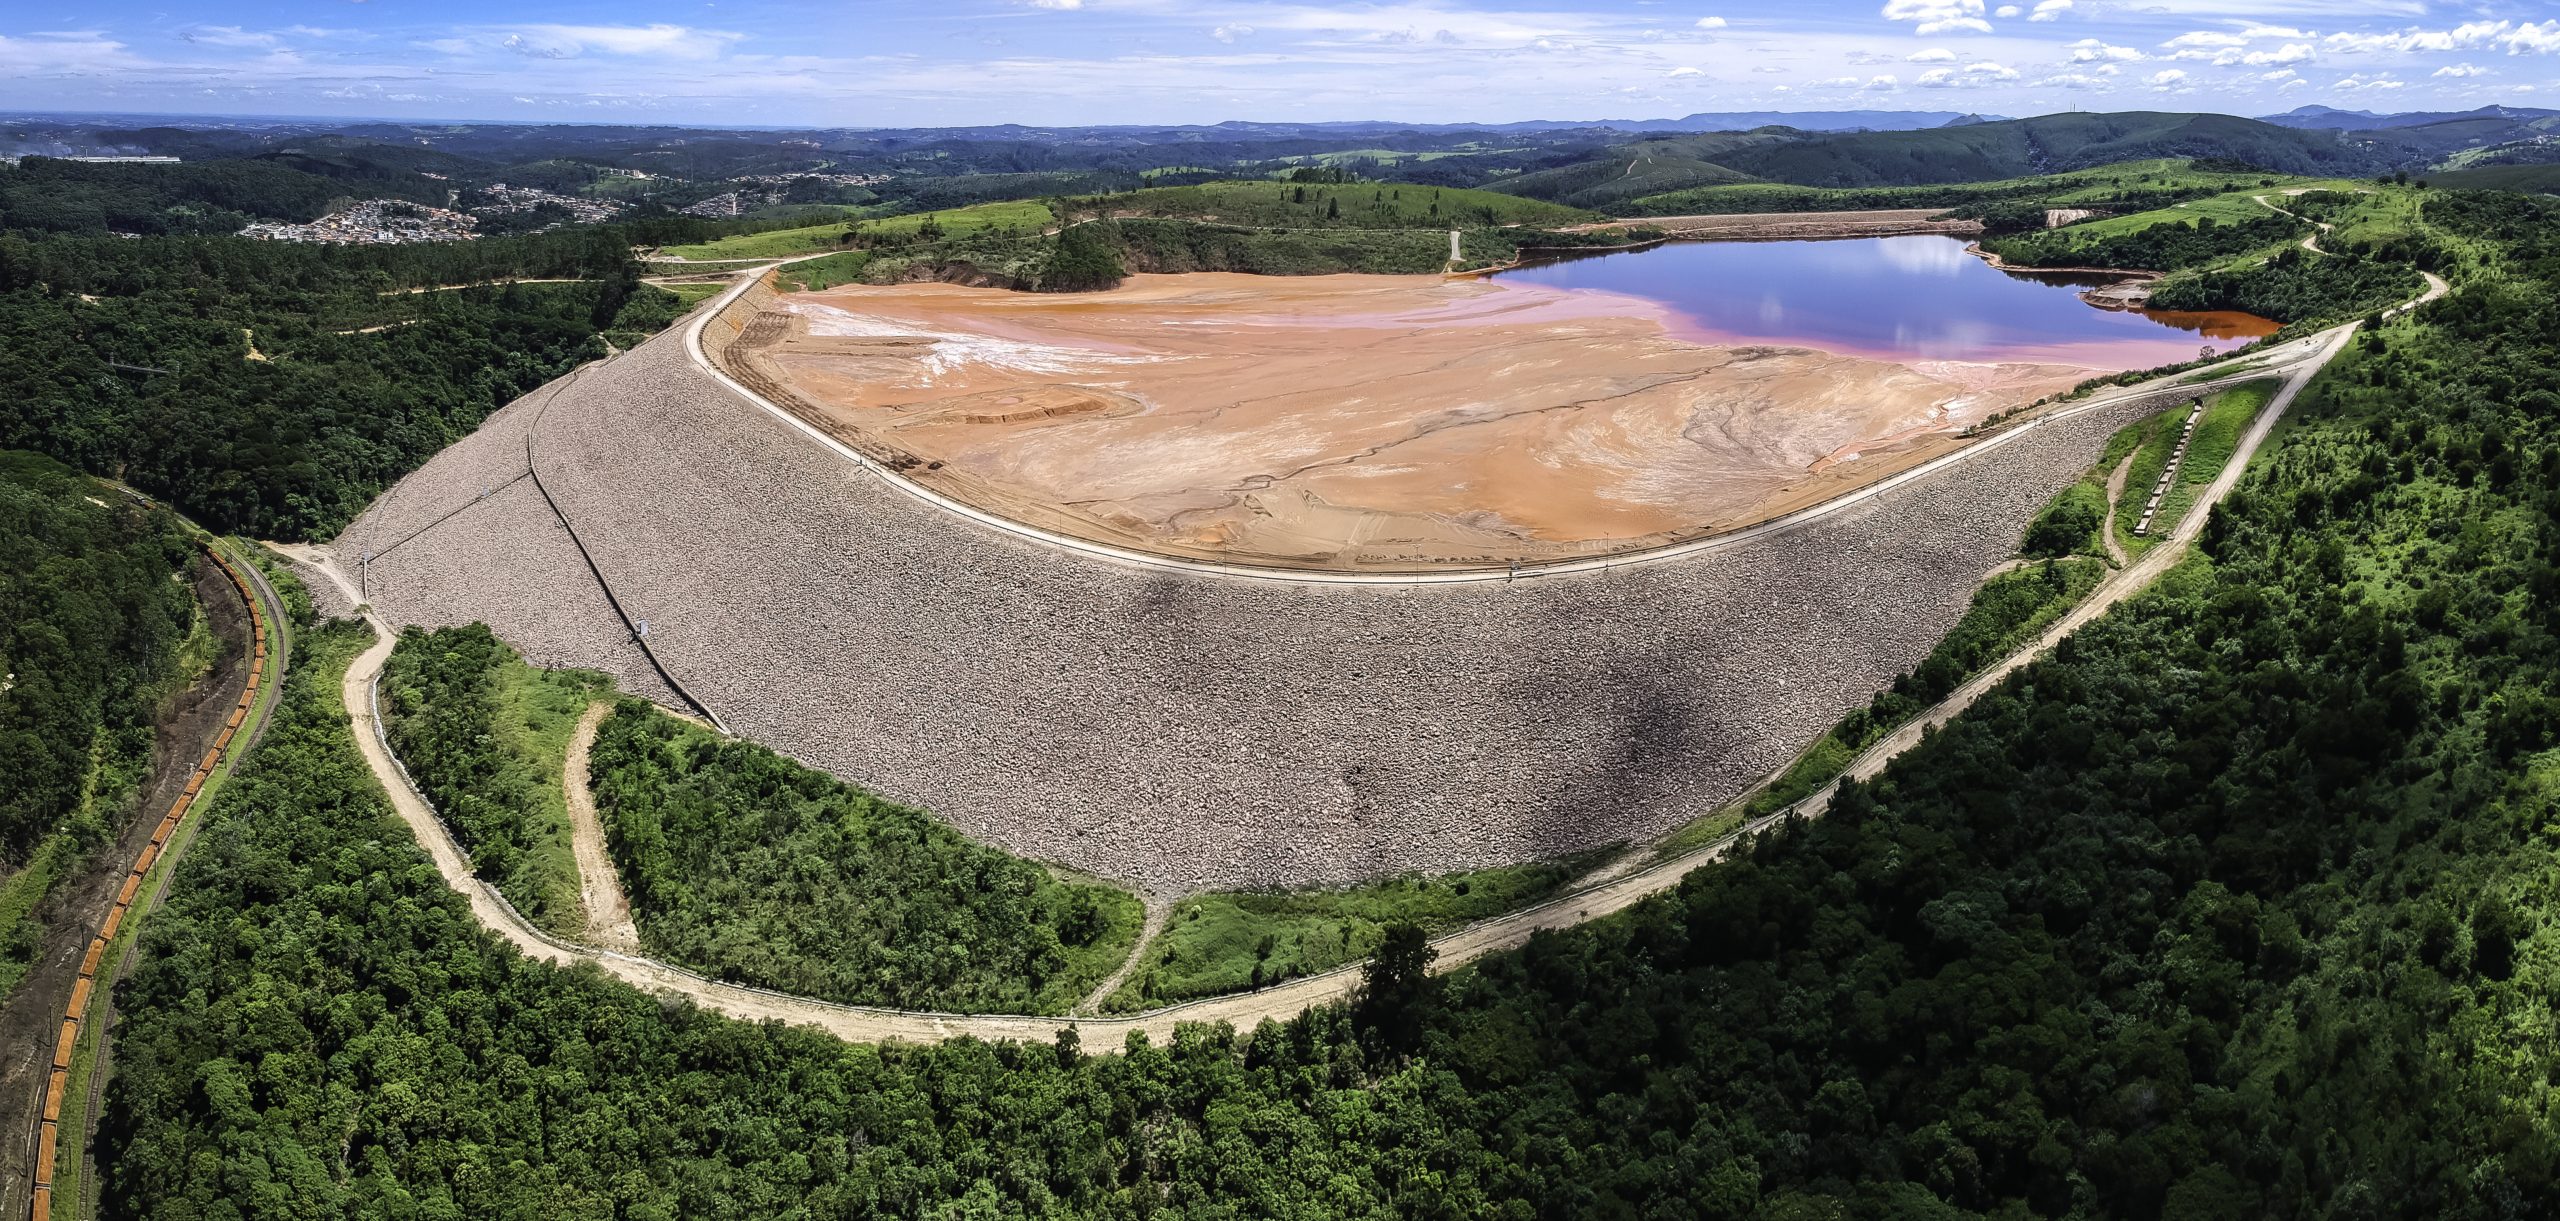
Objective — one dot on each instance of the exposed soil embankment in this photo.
(1797, 226)
(1369, 423)
(1186, 732)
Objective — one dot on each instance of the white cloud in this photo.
(2540, 39)
(2169, 78)
(2049, 10)
(1935, 55)
(1711, 23)
(2354, 83)
(1881, 84)
(228, 36)
(2091, 51)
(1062, 5)
(2461, 70)
(2007, 10)
(1230, 33)
(1938, 16)
(661, 41)
(1677, 73)
(1969, 76)
(2073, 80)
(2291, 85)
(2289, 53)
(2530, 38)
(2280, 74)
(2205, 38)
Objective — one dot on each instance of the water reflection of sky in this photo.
(1919, 297)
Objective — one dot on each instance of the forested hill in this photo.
(57, 196)
(273, 388)
(2241, 906)
(2018, 147)
(90, 627)
(1973, 153)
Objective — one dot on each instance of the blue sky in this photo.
(944, 62)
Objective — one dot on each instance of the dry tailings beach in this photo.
(1183, 732)
(1361, 423)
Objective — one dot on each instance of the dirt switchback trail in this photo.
(1620, 889)
(2115, 492)
(609, 921)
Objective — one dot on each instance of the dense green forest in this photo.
(443, 711)
(274, 389)
(2167, 246)
(211, 197)
(750, 867)
(91, 624)
(2296, 285)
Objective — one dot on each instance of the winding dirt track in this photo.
(608, 910)
(1619, 890)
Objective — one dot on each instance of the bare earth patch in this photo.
(1363, 422)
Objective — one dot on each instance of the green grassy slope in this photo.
(1358, 205)
(2139, 184)
(1234, 941)
(2007, 149)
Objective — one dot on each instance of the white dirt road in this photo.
(609, 923)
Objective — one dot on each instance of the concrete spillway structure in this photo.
(1176, 730)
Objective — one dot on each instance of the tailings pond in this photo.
(1895, 298)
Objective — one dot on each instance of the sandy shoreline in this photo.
(1360, 421)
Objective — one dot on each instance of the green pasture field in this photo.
(1225, 942)
(1354, 205)
(2060, 190)
(842, 267)
(695, 294)
(1022, 214)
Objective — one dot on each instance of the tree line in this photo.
(2167, 246)
(274, 389)
(91, 621)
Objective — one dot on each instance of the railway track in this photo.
(76, 1016)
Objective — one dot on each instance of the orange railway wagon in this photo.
(142, 863)
(124, 897)
(89, 964)
(80, 995)
(211, 757)
(62, 1046)
(44, 1154)
(53, 1095)
(107, 931)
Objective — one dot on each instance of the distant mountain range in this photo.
(1745, 120)
(2331, 118)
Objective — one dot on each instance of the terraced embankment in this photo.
(1168, 726)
